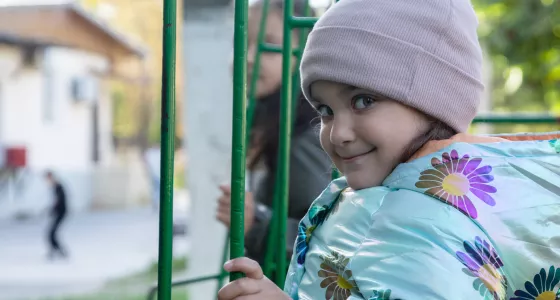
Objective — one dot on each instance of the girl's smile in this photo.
(356, 157)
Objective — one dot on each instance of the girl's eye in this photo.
(363, 102)
(324, 111)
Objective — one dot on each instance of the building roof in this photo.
(7, 3)
(68, 6)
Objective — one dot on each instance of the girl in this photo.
(424, 211)
(309, 166)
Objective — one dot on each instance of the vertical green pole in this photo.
(256, 66)
(302, 39)
(271, 244)
(271, 239)
(223, 273)
(251, 99)
(167, 149)
(237, 244)
(285, 134)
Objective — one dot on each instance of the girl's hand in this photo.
(224, 208)
(253, 287)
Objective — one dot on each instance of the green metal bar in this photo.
(167, 149)
(256, 67)
(250, 106)
(302, 39)
(517, 118)
(302, 22)
(265, 47)
(177, 283)
(285, 135)
(272, 238)
(239, 122)
(273, 245)
(224, 259)
(271, 48)
(272, 231)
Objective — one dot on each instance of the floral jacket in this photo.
(468, 218)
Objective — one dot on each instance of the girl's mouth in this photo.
(356, 157)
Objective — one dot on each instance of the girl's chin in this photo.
(358, 181)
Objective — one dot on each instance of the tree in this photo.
(141, 21)
(523, 38)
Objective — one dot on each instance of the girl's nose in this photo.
(342, 131)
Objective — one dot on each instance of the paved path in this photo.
(102, 246)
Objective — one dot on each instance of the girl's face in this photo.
(270, 72)
(364, 134)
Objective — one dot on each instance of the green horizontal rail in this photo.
(182, 282)
(276, 49)
(517, 118)
(302, 22)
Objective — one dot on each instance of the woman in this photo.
(310, 168)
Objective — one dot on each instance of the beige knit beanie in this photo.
(423, 53)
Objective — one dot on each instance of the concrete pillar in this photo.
(207, 47)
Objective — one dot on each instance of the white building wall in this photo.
(37, 111)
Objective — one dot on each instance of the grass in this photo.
(135, 286)
(176, 295)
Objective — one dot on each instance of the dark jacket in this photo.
(60, 206)
(310, 173)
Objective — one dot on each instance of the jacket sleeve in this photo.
(418, 247)
(309, 176)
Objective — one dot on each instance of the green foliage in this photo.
(177, 294)
(154, 130)
(135, 286)
(523, 40)
(123, 112)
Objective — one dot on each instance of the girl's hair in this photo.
(264, 136)
(436, 132)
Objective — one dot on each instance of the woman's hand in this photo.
(253, 287)
(224, 208)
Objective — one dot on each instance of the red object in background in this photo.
(16, 157)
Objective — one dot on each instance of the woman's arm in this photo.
(309, 176)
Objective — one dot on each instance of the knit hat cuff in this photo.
(393, 68)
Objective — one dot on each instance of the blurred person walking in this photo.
(58, 213)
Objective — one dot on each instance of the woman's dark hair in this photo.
(264, 136)
(437, 131)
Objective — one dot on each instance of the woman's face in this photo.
(270, 72)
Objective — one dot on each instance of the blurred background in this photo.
(80, 85)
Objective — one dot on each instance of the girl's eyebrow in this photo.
(347, 90)
(343, 92)
(314, 100)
